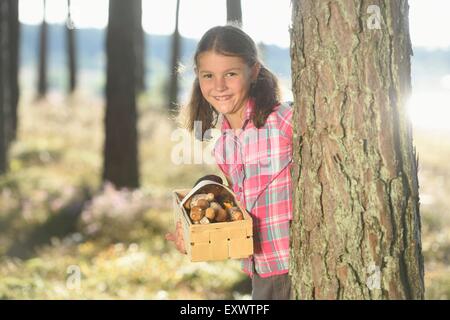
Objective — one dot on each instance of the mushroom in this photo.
(202, 203)
(196, 214)
(201, 196)
(210, 213)
(235, 214)
(221, 213)
(227, 204)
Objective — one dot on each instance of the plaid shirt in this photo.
(257, 162)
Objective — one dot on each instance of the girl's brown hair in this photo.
(232, 41)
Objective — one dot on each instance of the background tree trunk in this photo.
(121, 141)
(173, 82)
(5, 89)
(234, 12)
(14, 36)
(140, 49)
(356, 231)
(71, 50)
(42, 72)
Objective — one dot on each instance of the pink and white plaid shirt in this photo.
(257, 162)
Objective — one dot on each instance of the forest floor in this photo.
(64, 235)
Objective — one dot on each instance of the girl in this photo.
(254, 151)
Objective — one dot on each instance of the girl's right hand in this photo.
(177, 238)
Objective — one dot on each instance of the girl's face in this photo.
(225, 81)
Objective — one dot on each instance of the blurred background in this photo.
(65, 234)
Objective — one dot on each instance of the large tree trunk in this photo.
(42, 71)
(5, 89)
(173, 82)
(234, 12)
(71, 50)
(14, 36)
(121, 140)
(356, 231)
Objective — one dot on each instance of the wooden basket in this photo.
(215, 241)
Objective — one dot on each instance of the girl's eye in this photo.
(207, 76)
(231, 74)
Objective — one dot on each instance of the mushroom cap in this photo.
(236, 215)
(197, 213)
(221, 215)
(202, 203)
(210, 213)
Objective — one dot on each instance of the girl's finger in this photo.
(170, 237)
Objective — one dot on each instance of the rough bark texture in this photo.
(121, 140)
(356, 231)
(173, 84)
(234, 12)
(42, 71)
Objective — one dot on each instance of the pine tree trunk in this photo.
(71, 50)
(5, 89)
(42, 72)
(173, 82)
(140, 49)
(234, 12)
(14, 36)
(121, 141)
(356, 229)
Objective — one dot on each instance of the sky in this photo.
(264, 20)
(196, 16)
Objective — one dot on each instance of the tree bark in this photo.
(14, 37)
(71, 50)
(234, 12)
(121, 140)
(5, 89)
(173, 82)
(356, 229)
(140, 49)
(42, 72)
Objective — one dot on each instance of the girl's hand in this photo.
(177, 238)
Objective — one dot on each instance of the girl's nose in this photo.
(219, 84)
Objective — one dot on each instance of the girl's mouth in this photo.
(223, 98)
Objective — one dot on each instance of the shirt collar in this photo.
(247, 115)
